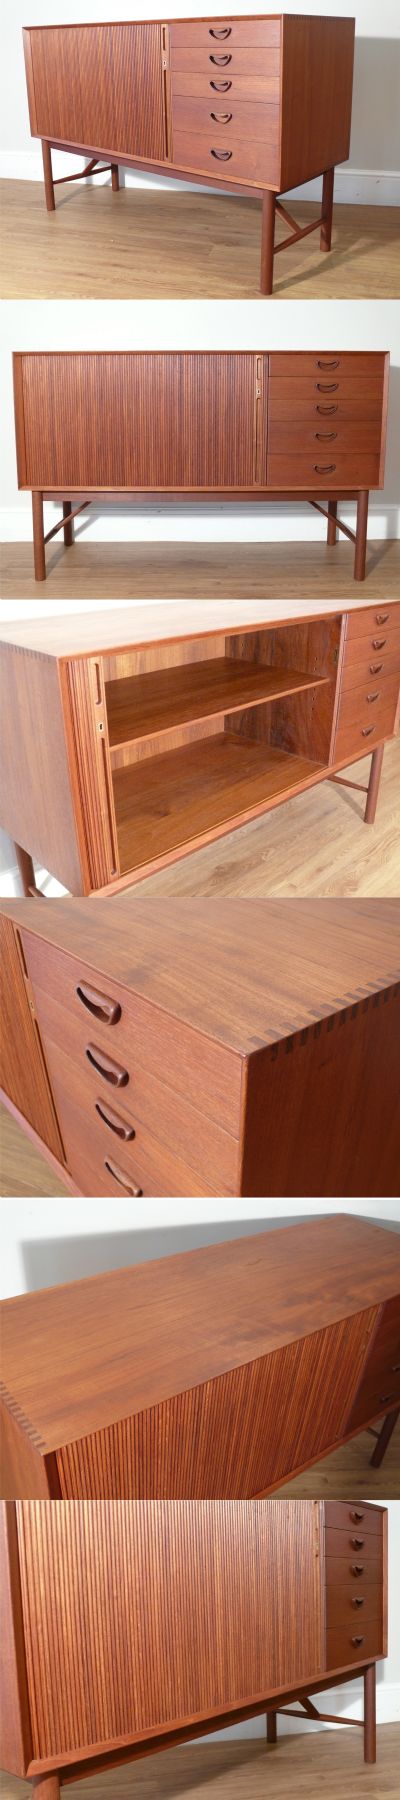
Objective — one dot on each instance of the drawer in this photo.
(349, 1573)
(144, 1168)
(328, 364)
(345, 398)
(324, 436)
(345, 1646)
(371, 701)
(244, 160)
(354, 1543)
(207, 81)
(236, 118)
(369, 661)
(344, 1516)
(352, 470)
(353, 1609)
(210, 33)
(355, 740)
(380, 1384)
(143, 1036)
(220, 61)
(146, 1103)
(375, 619)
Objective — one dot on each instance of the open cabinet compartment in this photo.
(210, 731)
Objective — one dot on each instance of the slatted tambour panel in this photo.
(100, 85)
(131, 421)
(142, 1614)
(212, 1440)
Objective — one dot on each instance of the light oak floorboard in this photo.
(137, 244)
(347, 1473)
(23, 1170)
(316, 844)
(201, 571)
(306, 1766)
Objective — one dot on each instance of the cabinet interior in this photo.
(206, 730)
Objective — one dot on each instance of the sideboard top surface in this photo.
(80, 1357)
(245, 973)
(132, 627)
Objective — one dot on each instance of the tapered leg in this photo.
(370, 1714)
(332, 532)
(384, 1439)
(25, 869)
(48, 176)
(361, 535)
(68, 527)
(267, 242)
(374, 785)
(327, 209)
(271, 1728)
(38, 537)
(114, 177)
(46, 1787)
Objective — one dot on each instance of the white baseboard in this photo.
(202, 523)
(345, 1701)
(362, 187)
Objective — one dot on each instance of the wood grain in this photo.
(147, 705)
(35, 781)
(113, 571)
(310, 1765)
(22, 1066)
(25, 1169)
(16, 1738)
(174, 799)
(85, 78)
(129, 629)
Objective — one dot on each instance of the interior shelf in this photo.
(141, 706)
(166, 801)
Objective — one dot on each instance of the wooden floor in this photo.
(203, 571)
(347, 1473)
(145, 243)
(23, 1171)
(305, 1765)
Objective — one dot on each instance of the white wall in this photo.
(370, 174)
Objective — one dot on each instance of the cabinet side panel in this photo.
(23, 1469)
(322, 1106)
(110, 1596)
(100, 86)
(235, 1436)
(23, 1073)
(15, 1730)
(35, 799)
(317, 83)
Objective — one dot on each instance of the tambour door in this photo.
(111, 1595)
(98, 86)
(130, 420)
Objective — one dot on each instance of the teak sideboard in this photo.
(217, 1373)
(188, 1047)
(234, 425)
(256, 105)
(131, 739)
(128, 1629)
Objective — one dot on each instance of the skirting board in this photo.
(345, 1701)
(357, 187)
(201, 522)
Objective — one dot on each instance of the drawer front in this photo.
(223, 83)
(371, 701)
(355, 1546)
(325, 398)
(346, 1646)
(372, 657)
(358, 469)
(354, 1610)
(355, 740)
(225, 118)
(353, 1572)
(345, 1516)
(380, 1384)
(142, 1037)
(378, 620)
(326, 365)
(326, 437)
(238, 158)
(221, 62)
(144, 1168)
(79, 1076)
(214, 34)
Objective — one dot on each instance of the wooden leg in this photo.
(38, 537)
(384, 1439)
(48, 176)
(361, 535)
(374, 785)
(332, 532)
(68, 527)
(267, 242)
(271, 1728)
(46, 1787)
(26, 870)
(114, 177)
(327, 209)
(370, 1714)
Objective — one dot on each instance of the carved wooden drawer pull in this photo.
(358, 1600)
(221, 61)
(327, 387)
(375, 668)
(109, 1011)
(395, 1368)
(357, 1641)
(114, 1121)
(324, 468)
(381, 618)
(222, 155)
(379, 643)
(221, 87)
(366, 730)
(222, 31)
(356, 1516)
(123, 1180)
(357, 1569)
(383, 1398)
(328, 365)
(326, 437)
(358, 1543)
(375, 696)
(221, 118)
(325, 412)
(111, 1071)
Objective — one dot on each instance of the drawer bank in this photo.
(232, 425)
(259, 1577)
(257, 105)
(176, 1047)
(217, 1373)
(131, 739)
